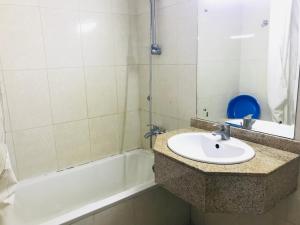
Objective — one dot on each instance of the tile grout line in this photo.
(43, 28)
(85, 83)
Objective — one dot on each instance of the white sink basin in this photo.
(205, 147)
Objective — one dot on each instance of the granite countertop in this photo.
(266, 160)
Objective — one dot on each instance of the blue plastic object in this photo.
(243, 105)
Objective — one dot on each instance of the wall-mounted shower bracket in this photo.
(155, 49)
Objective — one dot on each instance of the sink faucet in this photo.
(248, 121)
(154, 131)
(224, 131)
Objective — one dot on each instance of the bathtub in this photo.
(63, 197)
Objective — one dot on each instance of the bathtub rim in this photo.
(101, 205)
(37, 179)
(96, 206)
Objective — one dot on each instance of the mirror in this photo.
(248, 64)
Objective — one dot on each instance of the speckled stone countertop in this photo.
(266, 160)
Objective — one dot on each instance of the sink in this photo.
(205, 147)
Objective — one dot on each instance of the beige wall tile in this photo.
(28, 98)
(103, 6)
(143, 71)
(128, 88)
(149, 208)
(20, 2)
(130, 131)
(21, 37)
(35, 152)
(95, 27)
(62, 37)
(87, 221)
(67, 92)
(60, 4)
(121, 214)
(120, 6)
(121, 37)
(165, 90)
(187, 92)
(101, 91)
(105, 139)
(178, 211)
(72, 143)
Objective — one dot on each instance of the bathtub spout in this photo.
(154, 131)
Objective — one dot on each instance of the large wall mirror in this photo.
(248, 63)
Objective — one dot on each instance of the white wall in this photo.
(69, 81)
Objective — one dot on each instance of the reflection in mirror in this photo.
(248, 63)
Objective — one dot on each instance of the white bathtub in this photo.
(62, 197)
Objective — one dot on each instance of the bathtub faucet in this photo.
(154, 131)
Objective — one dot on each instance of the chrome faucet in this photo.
(154, 131)
(224, 131)
(248, 122)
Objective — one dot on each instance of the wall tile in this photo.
(62, 38)
(143, 27)
(67, 92)
(72, 143)
(144, 121)
(187, 32)
(187, 92)
(105, 136)
(128, 88)
(144, 78)
(121, 214)
(60, 4)
(165, 90)
(120, 6)
(149, 208)
(182, 209)
(101, 91)
(35, 152)
(28, 98)
(95, 27)
(142, 6)
(130, 131)
(167, 35)
(21, 38)
(20, 2)
(121, 36)
(87, 221)
(165, 122)
(103, 6)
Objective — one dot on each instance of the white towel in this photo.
(7, 178)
